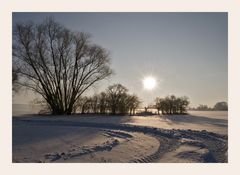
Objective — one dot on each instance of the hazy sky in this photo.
(185, 52)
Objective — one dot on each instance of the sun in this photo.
(149, 83)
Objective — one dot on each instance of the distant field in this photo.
(211, 114)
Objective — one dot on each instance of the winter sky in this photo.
(187, 53)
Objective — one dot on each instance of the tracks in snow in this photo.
(210, 147)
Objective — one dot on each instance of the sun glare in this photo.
(149, 83)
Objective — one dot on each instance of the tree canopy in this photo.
(172, 104)
(114, 100)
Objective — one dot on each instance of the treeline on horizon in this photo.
(116, 100)
(219, 106)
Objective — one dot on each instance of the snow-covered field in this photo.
(198, 137)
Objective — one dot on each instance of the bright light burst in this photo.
(149, 83)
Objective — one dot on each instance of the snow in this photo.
(180, 138)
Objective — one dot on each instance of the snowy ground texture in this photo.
(196, 138)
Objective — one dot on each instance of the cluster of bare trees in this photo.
(219, 106)
(57, 63)
(115, 100)
(172, 104)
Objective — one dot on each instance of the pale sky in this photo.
(187, 53)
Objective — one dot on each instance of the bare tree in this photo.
(84, 104)
(116, 94)
(133, 103)
(184, 102)
(172, 104)
(103, 102)
(58, 64)
(158, 105)
(94, 103)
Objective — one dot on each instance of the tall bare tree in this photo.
(116, 94)
(58, 64)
